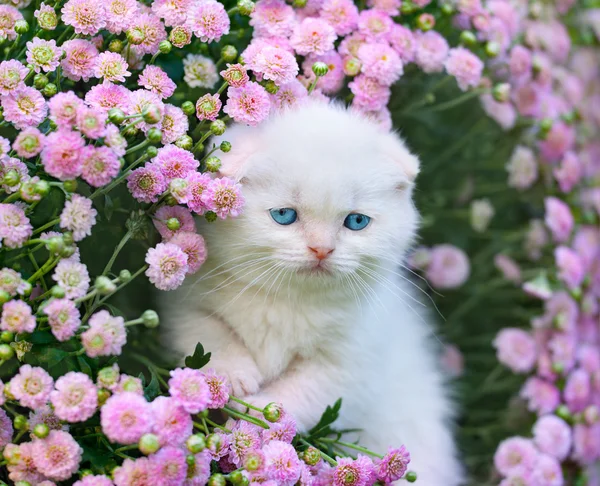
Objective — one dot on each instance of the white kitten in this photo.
(304, 305)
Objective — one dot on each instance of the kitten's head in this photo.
(327, 193)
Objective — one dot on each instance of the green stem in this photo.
(351, 446)
(458, 100)
(217, 426)
(87, 296)
(37, 268)
(118, 249)
(330, 460)
(134, 322)
(78, 352)
(120, 179)
(140, 145)
(246, 417)
(132, 124)
(126, 448)
(46, 226)
(63, 35)
(49, 265)
(245, 404)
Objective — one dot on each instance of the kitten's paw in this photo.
(245, 380)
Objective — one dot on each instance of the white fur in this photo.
(284, 331)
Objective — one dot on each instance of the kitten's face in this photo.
(323, 201)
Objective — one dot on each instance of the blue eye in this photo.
(284, 216)
(356, 222)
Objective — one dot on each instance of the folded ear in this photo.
(245, 142)
(394, 148)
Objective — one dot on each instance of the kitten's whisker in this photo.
(210, 273)
(368, 292)
(254, 281)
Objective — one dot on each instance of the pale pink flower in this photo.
(17, 317)
(10, 163)
(275, 64)
(516, 349)
(284, 430)
(586, 440)
(167, 266)
(172, 424)
(63, 318)
(120, 14)
(289, 95)
(552, 435)
(12, 75)
(142, 100)
(168, 466)
(43, 55)
(146, 183)
(61, 154)
(173, 12)
(361, 470)
(465, 66)
(108, 95)
(244, 438)
(180, 36)
(577, 391)
(313, 36)
(181, 214)
(57, 456)
(558, 219)
(156, 80)
(381, 62)
(391, 7)
(522, 168)
(75, 397)
(558, 141)
(11, 283)
(29, 143)
(78, 216)
(516, 455)
(189, 388)
(208, 107)
(106, 335)
(504, 113)
(374, 25)
(99, 165)
(153, 31)
(134, 473)
(15, 228)
(175, 162)
(235, 75)
(94, 480)
(570, 266)
(197, 184)
(125, 417)
(452, 360)
(24, 469)
(272, 18)
(281, 463)
(431, 51)
(24, 107)
(73, 277)
(393, 465)
(91, 122)
(131, 384)
(193, 246)
(569, 173)
(508, 267)
(31, 386)
(448, 268)
(8, 17)
(403, 41)
(342, 15)
(63, 109)
(520, 62)
(218, 387)
(333, 81)
(542, 396)
(548, 471)
(199, 474)
(174, 124)
(208, 20)
(224, 197)
(111, 66)
(369, 93)
(249, 104)
(87, 17)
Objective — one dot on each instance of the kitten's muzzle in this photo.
(321, 252)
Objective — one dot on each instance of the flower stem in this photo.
(246, 417)
(134, 322)
(458, 100)
(137, 147)
(245, 404)
(118, 249)
(49, 265)
(46, 226)
(330, 460)
(118, 180)
(351, 446)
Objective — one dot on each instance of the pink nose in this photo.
(321, 252)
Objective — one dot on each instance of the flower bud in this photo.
(210, 216)
(411, 476)
(6, 352)
(213, 164)
(320, 69)
(103, 395)
(165, 47)
(124, 275)
(195, 443)
(425, 22)
(229, 53)
(7, 336)
(11, 178)
(546, 126)
(148, 444)
(50, 90)
(468, 38)
(40, 81)
(20, 422)
(225, 146)
(185, 142)
(57, 292)
(116, 45)
(352, 66)
(563, 412)
(170, 200)
(270, 86)
(217, 480)
(236, 477)
(492, 49)
(154, 135)
(188, 108)
(569, 118)
(70, 186)
(47, 19)
(558, 368)
(151, 152)
(253, 461)
(55, 245)
(447, 9)
(42, 188)
(173, 224)
(245, 7)
(407, 8)
(22, 483)
(21, 26)
(4, 296)
(501, 92)
(68, 251)
(150, 318)
(272, 412)
(199, 148)
(218, 127)
(27, 192)
(299, 3)
(190, 460)
(151, 114)
(104, 285)
(41, 431)
(26, 287)
(116, 116)
(136, 36)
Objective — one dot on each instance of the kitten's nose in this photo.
(321, 252)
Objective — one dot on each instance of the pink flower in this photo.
(108, 95)
(552, 435)
(374, 25)
(508, 267)
(142, 100)
(289, 95)
(391, 7)
(313, 36)
(172, 424)
(8, 17)
(168, 466)
(130, 384)
(548, 471)
(570, 266)
(80, 59)
(516, 349)
(249, 104)
(281, 463)
(120, 14)
(12, 75)
(208, 20)
(432, 51)
(180, 36)
(15, 228)
(276, 64)
(197, 184)
(173, 12)
(272, 18)
(87, 17)
(12, 284)
(78, 216)
(175, 162)
(188, 387)
(403, 41)
(218, 388)
(193, 246)
(94, 480)
(503, 113)
(99, 165)
(577, 390)
(63, 318)
(6, 429)
(199, 474)
(333, 81)
(558, 141)
(353, 472)
(586, 441)
(167, 266)
(153, 32)
(91, 122)
(342, 15)
(244, 438)
(208, 107)
(235, 75)
(43, 55)
(75, 397)
(453, 361)
(146, 183)
(224, 197)
(164, 213)
(465, 66)
(61, 154)
(29, 143)
(543, 396)
(24, 107)
(156, 80)
(558, 219)
(63, 109)
(134, 473)
(111, 66)
(174, 124)
(31, 386)
(106, 335)
(24, 469)
(73, 277)
(284, 430)
(522, 168)
(369, 94)
(17, 317)
(125, 417)
(57, 456)
(569, 173)
(520, 62)
(7, 164)
(380, 62)
(516, 455)
(449, 267)
(393, 466)
(45, 415)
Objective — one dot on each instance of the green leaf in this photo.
(84, 366)
(330, 415)
(198, 359)
(108, 207)
(41, 337)
(96, 455)
(153, 388)
(51, 356)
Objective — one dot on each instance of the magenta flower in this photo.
(15, 228)
(218, 387)
(272, 18)
(208, 20)
(313, 36)
(43, 55)
(63, 318)
(465, 66)
(24, 107)
(12, 75)
(87, 17)
(31, 386)
(156, 80)
(193, 246)
(393, 466)
(431, 52)
(130, 473)
(172, 424)
(61, 154)
(80, 59)
(188, 387)
(75, 397)
(57, 456)
(369, 94)
(224, 197)
(17, 317)
(516, 349)
(125, 417)
(146, 183)
(29, 143)
(249, 104)
(350, 472)
(106, 335)
(167, 266)
(342, 15)
(175, 162)
(281, 463)
(168, 466)
(380, 62)
(515, 456)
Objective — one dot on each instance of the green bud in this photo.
(188, 108)
(564, 413)
(311, 456)
(20, 422)
(41, 431)
(468, 38)
(11, 178)
(68, 251)
(217, 480)
(50, 90)
(116, 116)
(501, 92)
(103, 395)
(154, 135)
(40, 81)
(229, 53)
(196, 443)
(411, 476)
(199, 148)
(235, 477)
(104, 285)
(55, 245)
(185, 142)
(151, 152)
(165, 47)
(151, 114)
(130, 131)
(173, 224)
(21, 26)
(136, 36)
(210, 216)
(546, 126)
(492, 49)
(447, 9)
(320, 69)
(124, 275)
(558, 368)
(270, 86)
(352, 66)
(22, 483)
(425, 22)
(253, 461)
(85, 472)
(170, 200)
(7, 336)
(568, 118)
(407, 8)
(150, 318)
(42, 188)
(245, 7)
(116, 45)
(27, 191)
(71, 185)
(53, 125)
(225, 146)
(218, 127)
(213, 442)
(299, 3)
(27, 288)
(213, 164)
(148, 444)
(272, 412)
(6, 352)
(68, 238)
(57, 292)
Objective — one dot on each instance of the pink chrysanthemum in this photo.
(197, 184)
(15, 228)
(10, 163)
(403, 41)
(284, 430)
(375, 25)
(276, 64)
(289, 95)
(380, 62)
(249, 104)
(369, 94)
(73, 277)
(31, 386)
(57, 456)
(75, 397)
(153, 31)
(17, 317)
(146, 183)
(11, 283)
(29, 143)
(78, 216)
(63, 318)
(80, 59)
(45, 415)
(244, 438)
(99, 165)
(43, 55)
(235, 75)
(515, 456)
(12, 75)
(333, 81)
(188, 387)
(199, 473)
(169, 467)
(106, 335)
(281, 463)
(156, 80)
(542, 396)
(272, 18)
(208, 107)
(569, 173)
(558, 219)
(465, 66)
(167, 266)
(313, 36)
(61, 154)
(559, 140)
(172, 424)
(24, 107)
(218, 387)
(349, 472)
(94, 480)
(520, 62)
(111, 66)
(180, 36)
(224, 197)
(140, 100)
(431, 51)
(108, 95)
(175, 162)
(120, 14)
(8, 17)
(570, 267)
(91, 122)
(63, 109)
(553, 436)
(46, 17)
(393, 466)
(199, 71)
(6, 429)
(24, 469)
(208, 20)
(174, 124)
(134, 473)
(183, 216)
(87, 17)
(173, 12)
(516, 349)
(449, 267)
(342, 15)
(125, 417)
(4, 146)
